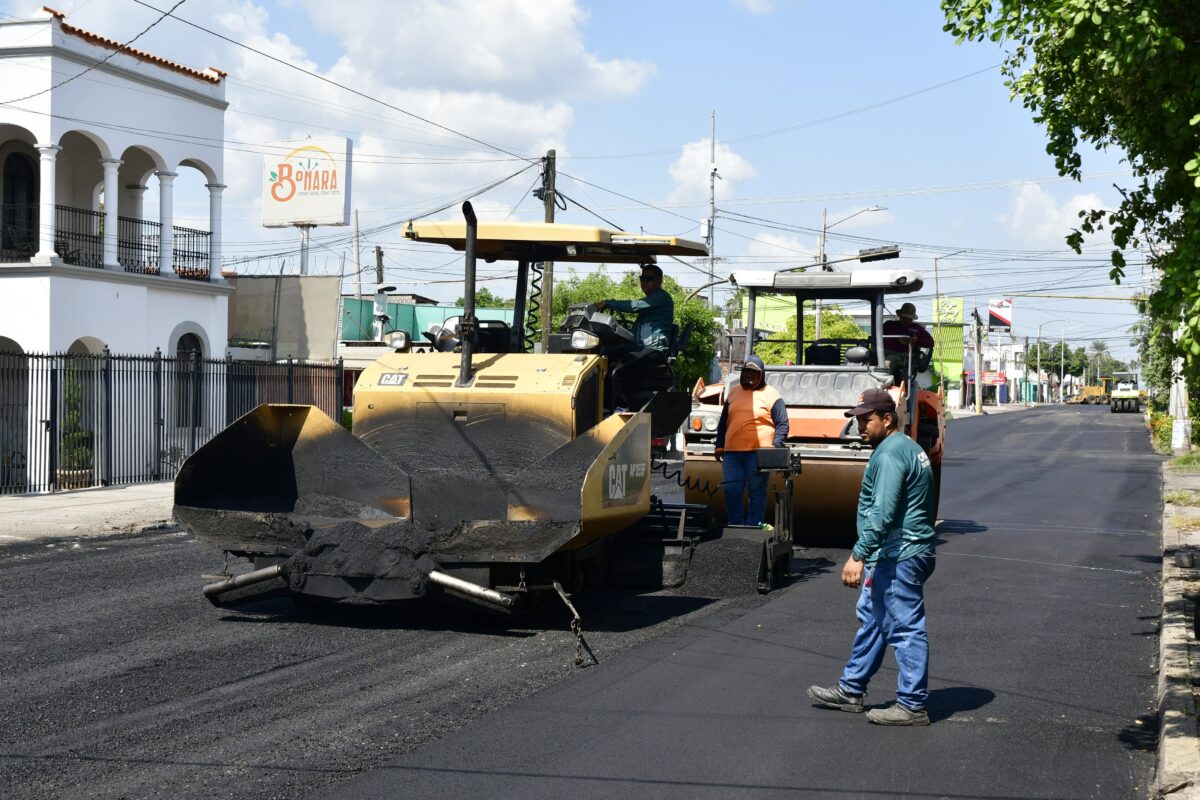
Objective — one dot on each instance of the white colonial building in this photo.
(86, 128)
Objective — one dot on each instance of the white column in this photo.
(214, 225)
(166, 236)
(111, 203)
(46, 210)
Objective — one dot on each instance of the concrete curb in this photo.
(1178, 769)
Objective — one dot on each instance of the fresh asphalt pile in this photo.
(122, 681)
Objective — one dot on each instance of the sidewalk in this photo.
(89, 512)
(1179, 746)
(969, 411)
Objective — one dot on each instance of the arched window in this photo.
(19, 196)
(189, 343)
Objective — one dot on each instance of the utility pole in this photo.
(712, 211)
(378, 265)
(357, 259)
(1062, 361)
(548, 202)
(978, 362)
(1025, 368)
(823, 267)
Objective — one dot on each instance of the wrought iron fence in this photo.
(137, 245)
(79, 236)
(79, 240)
(70, 422)
(190, 251)
(18, 232)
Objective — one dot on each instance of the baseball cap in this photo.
(873, 400)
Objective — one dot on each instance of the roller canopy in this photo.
(891, 281)
(541, 241)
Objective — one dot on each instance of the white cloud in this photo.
(505, 72)
(776, 246)
(757, 6)
(691, 171)
(524, 48)
(1037, 219)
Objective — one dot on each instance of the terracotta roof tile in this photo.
(211, 75)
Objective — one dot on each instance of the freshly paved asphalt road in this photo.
(1042, 621)
(119, 681)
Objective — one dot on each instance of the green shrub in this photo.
(1160, 431)
(1189, 462)
(75, 443)
(348, 419)
(1182, 497)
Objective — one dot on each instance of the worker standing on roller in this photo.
(754, 416)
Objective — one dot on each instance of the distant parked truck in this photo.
(1091, 395)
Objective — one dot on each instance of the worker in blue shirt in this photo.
(653, 331)
(891, 561)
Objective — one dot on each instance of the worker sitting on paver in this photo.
(652, 330)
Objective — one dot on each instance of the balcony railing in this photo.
(79, 240)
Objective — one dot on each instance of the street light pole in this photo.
(821, 255)
(1037, 398)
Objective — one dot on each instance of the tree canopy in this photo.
(834, 325)
(1115, 73)
(696, 359)
(484, 298)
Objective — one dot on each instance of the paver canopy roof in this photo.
(544, 241)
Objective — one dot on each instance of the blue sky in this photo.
(624, 90)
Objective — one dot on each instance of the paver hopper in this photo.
(486, 483)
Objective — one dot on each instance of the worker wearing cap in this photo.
(653, 331)
(754, 416)
(891, 561)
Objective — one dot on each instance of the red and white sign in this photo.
(1000, 315)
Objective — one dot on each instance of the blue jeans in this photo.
(891, 610)
(740, 469)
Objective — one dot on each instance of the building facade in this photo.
(87, 127)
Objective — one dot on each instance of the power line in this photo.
(341, 86)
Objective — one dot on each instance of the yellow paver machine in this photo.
(825, 379)
(478, 470)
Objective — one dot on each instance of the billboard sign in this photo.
(307, 182)
(949, 310)
(1000, 315)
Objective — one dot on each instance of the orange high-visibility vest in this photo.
(748, 422)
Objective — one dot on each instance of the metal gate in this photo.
(73, 421)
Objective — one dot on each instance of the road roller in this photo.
(479, 470)
(824, 380)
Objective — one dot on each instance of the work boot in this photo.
(836, 697)
(898, 714)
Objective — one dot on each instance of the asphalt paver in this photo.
(1042, 621)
